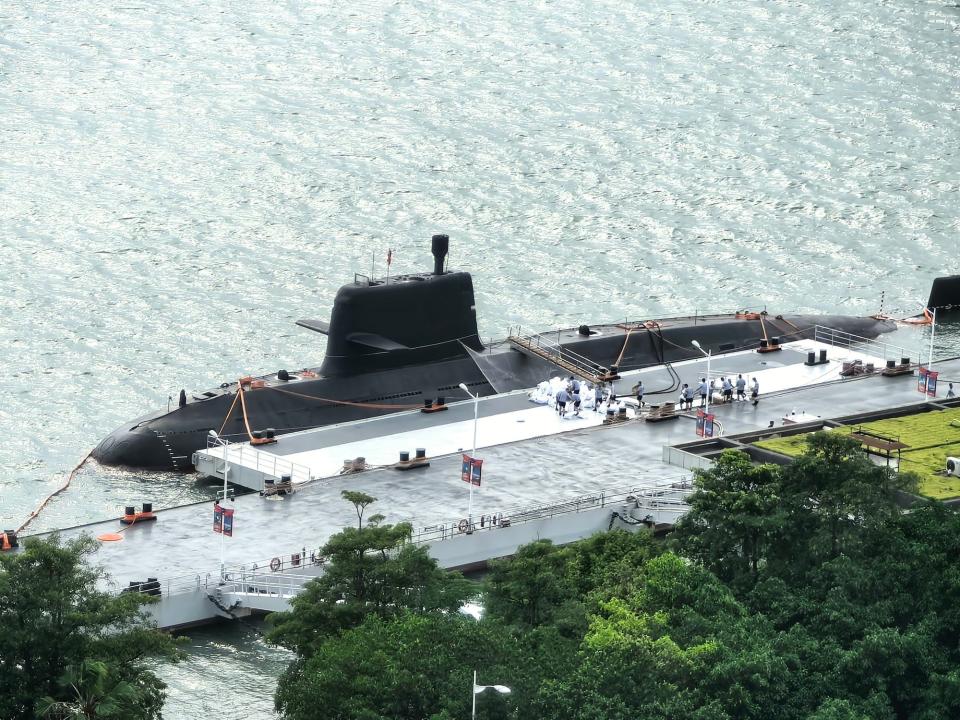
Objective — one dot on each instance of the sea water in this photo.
(180, 183)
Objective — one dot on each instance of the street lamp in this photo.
(226, 468)
(477, 689)
(476, 413)
(933, 330)
(708, 353)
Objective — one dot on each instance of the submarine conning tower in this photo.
(384, 323)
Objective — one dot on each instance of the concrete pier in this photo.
(583, 478)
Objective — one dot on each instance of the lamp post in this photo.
(933, 330)
(226, 468)
(477, 689)
(476, 414)
(708, 353)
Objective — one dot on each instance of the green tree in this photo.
(56, 623)
(533, 587)
(95, 694)
(680, 647)
(369, 570)
(372, 571)
(409, 667)
(607, 564)
(360, 501)
(736, 515)
(832, 492)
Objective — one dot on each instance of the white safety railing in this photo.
(264, 583)
(867, 346)
(266, 463)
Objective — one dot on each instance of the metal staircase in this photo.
(554, 353)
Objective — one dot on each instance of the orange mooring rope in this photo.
(243, 404)
(229, 412)
(32, 516)
(375, 406)
(626, 339)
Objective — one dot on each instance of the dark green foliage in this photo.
(370, 571)
(795, 593)
(64, 641)
(680, 646)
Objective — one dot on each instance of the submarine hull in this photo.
(167, 440)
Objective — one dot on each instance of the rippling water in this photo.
(179, 184)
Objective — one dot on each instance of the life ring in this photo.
(463, 525)
(275, 564)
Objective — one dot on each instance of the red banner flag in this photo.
(470, 470)
(708, 425)
(217, 518)
(228, 522)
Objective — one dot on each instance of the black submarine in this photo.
(409, 341)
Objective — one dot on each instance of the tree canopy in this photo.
(801, 592)
(67, 649)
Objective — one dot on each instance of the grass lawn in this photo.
(932, 436)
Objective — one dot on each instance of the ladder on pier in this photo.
(554, 353)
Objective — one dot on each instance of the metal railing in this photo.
(263, 462)
(868, 346)
(668, 497)
(259, 583)
(652, 496)
(552, 348)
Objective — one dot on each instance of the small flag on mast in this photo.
(389, 257)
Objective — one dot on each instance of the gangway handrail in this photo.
(555, 353)
(561, 350)
(262, 462)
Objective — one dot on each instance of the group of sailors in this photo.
(724, 387)
(572, 395)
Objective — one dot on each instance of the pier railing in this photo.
(868, 346)
(652, 497)
(294, 568)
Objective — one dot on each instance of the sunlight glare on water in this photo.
(180, 183)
